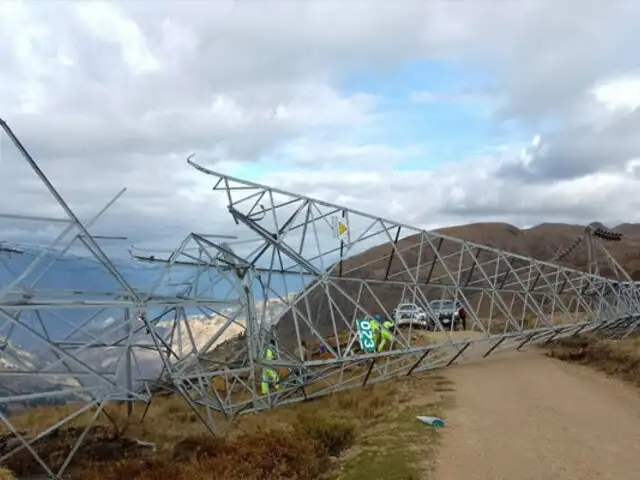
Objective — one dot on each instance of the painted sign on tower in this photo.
(366, 335)
(341, 229)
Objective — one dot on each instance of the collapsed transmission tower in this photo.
(288, 305)
(333, 268)
(597, 256)
(78, 331)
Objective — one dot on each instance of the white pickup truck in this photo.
(409, 314)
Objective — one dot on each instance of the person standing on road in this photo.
(462, 315)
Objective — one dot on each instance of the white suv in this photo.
(409, 313)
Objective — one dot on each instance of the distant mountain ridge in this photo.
(543, 241)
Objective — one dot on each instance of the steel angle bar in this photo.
(224, 181)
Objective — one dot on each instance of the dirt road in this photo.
(525, 416)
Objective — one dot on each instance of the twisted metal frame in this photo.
(296, 283)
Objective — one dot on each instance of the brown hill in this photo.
(630, 230)
(542, 242)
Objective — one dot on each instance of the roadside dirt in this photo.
(526, 416)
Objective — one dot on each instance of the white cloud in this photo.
(107, 23)
(597, 135)
(308, 152)
(619, 94)
(471, 191)
(112, 94)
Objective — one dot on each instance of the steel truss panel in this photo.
(295, 281)
(88, 347)
(343, 265)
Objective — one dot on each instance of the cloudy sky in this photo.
(434, 113)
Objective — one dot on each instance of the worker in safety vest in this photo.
(374, 323)
(270, 375)
(385, 333)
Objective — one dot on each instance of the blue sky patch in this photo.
(430, 113)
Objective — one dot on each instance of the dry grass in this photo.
(305, 441)
(618, 358)
(6, 474)
(397, 446)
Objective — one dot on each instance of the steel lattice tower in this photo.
(299, 282)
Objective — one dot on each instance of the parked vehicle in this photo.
(450, 314)
(409, 314)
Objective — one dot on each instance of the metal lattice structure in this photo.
(347, 265)
(297, 282)
(89, 331)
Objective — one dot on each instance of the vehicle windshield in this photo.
(442, 305)
(408, 306)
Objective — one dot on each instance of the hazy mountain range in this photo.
(22, 351)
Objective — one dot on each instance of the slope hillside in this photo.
(542, 242)
(630, 230)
